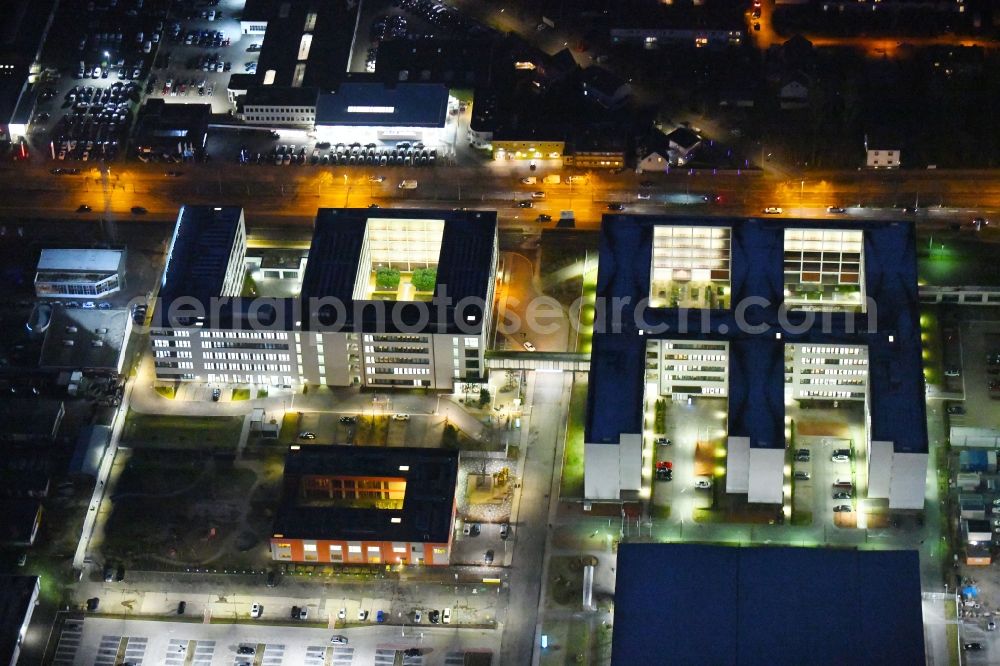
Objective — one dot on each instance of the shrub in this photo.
(424, 279)
(386, 278)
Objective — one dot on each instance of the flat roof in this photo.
(98, 339)
(20, 515)
(30, 418)
(307, 42)
(283, 96)
(464, 269)
(199, 252)
(83, 260)
(697, 604)
(17, 596)
(382, 105)
(428, 502)
(756, 365)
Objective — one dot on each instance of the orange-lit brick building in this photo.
(356, 505)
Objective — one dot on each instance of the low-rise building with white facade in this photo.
(68, 273)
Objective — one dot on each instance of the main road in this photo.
(291, 195)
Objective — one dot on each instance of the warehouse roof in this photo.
(693, 604)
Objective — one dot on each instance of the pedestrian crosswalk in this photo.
(69, 643)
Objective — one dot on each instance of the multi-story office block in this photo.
(388, 298)
(764, 314)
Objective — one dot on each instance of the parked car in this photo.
(417, 616)
(400, 417)
(662, 441)
(489, 557)
(246, 649)
(528, 346)
(544, 218)
(434, 616)
(109, 573)
(339, 640)
(348, 419)
(835, 210)
(802, 455)
(505, 531)
(216, 394)
(446, 616)
(615, 205)
(181, 607)
(256, 610)
(842, 495)
(956, 409)
(842, 508)
(272, 579)
(307, 435)
(703, 484)
(362, 615)
(93, 603)
(773, 210)
(380, 617)
(802, 476)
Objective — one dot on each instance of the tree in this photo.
(484, 397)
(449, 438)
(386, 278)
(424, 279)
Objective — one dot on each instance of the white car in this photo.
(529, 346)
(529, 180)
(538, 195)
(362, 615)
(376, 179)
(400, 417)
(446, 616)
(417, 616)
(342, 614)
(703, 484)
(773, 210)
(642, 196)
(840, 457)
(255, 610)
(341, 640)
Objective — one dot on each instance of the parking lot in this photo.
(980, 344)
(829, 462)
(113, 641)
(202, 47)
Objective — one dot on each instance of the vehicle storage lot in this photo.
(196, 50)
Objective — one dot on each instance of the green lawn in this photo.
(181, 432)
(571, 483)
(241, 394)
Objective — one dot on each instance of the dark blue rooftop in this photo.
(694, 604)
(199, 252)
(464, 270)
(756, 366)
(379, 105)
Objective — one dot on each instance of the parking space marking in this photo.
(274, 655)
(454, 659)
(178, 650)
(107, 650)
(69, 643)
(315, 655)
(135, 649)
(342, 656)
(384, 656)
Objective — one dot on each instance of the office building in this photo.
(765, 314)
(388, 298)
(351, 505)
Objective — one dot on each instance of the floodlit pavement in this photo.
(106, 641)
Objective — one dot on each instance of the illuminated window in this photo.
(371, 109)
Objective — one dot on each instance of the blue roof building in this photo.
(760, 312)
(694, 604)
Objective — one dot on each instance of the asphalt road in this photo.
(291, 195)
